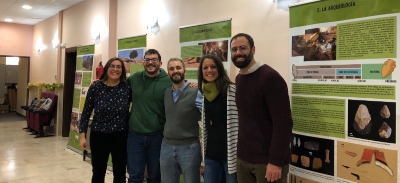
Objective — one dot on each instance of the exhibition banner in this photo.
(131, 50)
(83, 78)
(198, 40)
(343, 91)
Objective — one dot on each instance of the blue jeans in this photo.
(144, 150)
(215, 168)
(175, 160)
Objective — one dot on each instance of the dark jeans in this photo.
(144, 150)
(101, 145)
(216, 171)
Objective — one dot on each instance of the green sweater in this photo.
(147, 111)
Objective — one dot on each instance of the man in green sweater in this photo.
(147, 119)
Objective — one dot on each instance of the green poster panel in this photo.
(76, 99)
(132, 42)
(337, 10)
(85, 50)
(205, 31)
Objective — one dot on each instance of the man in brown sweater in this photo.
(265, 121)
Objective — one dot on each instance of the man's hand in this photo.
(193, 85)
(93, 81)
(273, 173)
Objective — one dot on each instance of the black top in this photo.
(110, 105)
(216, 114)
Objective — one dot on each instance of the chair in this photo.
(28, 114)
(41, 117)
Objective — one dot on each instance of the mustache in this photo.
(239, 56)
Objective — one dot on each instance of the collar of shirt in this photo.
(176, 93)
(252, 68)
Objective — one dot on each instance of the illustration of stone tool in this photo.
(380, 161)
(362, 120)
(385, 131)
(385, 112)
(388, 67)
(356, 175)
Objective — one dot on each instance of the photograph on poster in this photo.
(75, 121)
(78, 78)
(314, 154)
(87, 63)
(316, 44)
(217, 48)
(192, 62)
(361, 163)
(131, 56)
(372, 120)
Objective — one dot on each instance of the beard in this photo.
(157, 68)
(245, 63)
(177, 80)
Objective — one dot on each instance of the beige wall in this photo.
(77, 28)
(15, 39)
(23, 67)
(261, 19)
(44, 63)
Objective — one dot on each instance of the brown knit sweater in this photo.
(265, 120)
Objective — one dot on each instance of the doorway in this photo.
(69, 80)
(14, 77)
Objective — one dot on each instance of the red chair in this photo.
(41, 117)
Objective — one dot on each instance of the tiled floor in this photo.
(25, 159)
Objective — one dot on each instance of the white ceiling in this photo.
(41, 10)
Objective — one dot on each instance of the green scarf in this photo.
(210, 91)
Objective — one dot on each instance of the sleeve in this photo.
(88, 108)
(278, 103)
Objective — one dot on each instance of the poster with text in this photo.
(198, 40)
(343, 57)
(83, 78)
(131, 50)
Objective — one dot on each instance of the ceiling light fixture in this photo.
(27, 7)
(8, 20)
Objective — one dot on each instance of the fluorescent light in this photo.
(12, 60)
(8, 20)
(27, 7)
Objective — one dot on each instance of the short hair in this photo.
(177, 59)
(104, 75)
(222, 81)
(248, 37)
(152, 51)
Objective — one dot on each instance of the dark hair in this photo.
(222, 81)
(104, 76)
(177, 59)
(152, 51)
(248, 37)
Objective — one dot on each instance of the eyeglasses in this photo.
(240, 48)
(151, 59)
(118, 67)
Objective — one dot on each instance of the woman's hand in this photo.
(82, 142)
